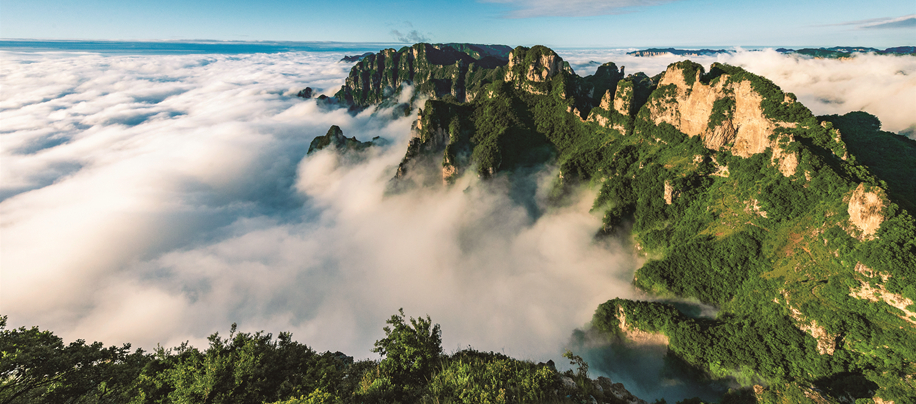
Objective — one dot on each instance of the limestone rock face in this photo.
(510, 68)
(744, 129)
(720, 136)
(691, 105)
(880, 294)
(670, 193)
(546, 67)
(826, 342)
(623, 99)
(865, 211)
(448, 173)
(754, 130)
(531, 68)
(606, 100)
(786, 162)
(539, 67)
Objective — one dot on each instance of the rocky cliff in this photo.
(434, 71)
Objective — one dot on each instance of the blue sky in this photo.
(562, 23)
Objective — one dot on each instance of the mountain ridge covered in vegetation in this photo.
(742, 197)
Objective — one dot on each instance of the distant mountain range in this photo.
(680, 52)
(832, 53)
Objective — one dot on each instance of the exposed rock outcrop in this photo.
(826, 342)
(537, 64)
(723, 113)
(866, 211)
(880, 294)
(753, 207)
(623, 99)
(670, 193)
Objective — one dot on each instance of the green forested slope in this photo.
(797, 230)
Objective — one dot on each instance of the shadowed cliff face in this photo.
(433, 70)
(164, 210)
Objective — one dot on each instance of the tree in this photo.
(37, 366)
(581, 364)
(251, 368)
(411, 350)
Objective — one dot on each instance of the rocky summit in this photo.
(336, 139)
(738, 197)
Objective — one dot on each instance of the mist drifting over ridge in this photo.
(155, 199)
(182, 202)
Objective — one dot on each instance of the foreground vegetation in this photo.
(37, 367)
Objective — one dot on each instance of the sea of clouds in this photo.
(157, 199)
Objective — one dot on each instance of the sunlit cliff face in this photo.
(158, 199)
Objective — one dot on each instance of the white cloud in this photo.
(904, 22)
(156, 199)
(573, 8)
